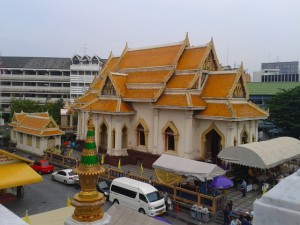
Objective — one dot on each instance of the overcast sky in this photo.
(252, 31)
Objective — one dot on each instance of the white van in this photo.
(137, 195)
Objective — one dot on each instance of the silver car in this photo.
(66, 176)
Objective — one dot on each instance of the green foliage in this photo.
(53, 109)
(25, 105)
(285, 111)
(30, 106)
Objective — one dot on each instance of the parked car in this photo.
(66, 176)
(103, 187)
(42, 166)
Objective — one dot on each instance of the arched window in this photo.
(244, 138)
(140, 135)
(113, 139)
(124, 137)
(169, 140)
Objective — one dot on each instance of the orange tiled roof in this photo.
(147, 77)
(181, 100)
(86, 98)
(197, 101)
(141, 93)
(191, 58)
(172, 100)
(39, 132)
(107, 105)
(20, 116)
(110, 67)
(158, 56)
(35, 122)
(218, 85)
(180, 81)
(233, 110)
(52, 132)
(120, 82)
(28, 131)
(97, 83)
(216, 110)
(248, 110)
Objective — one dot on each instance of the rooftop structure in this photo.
(278, 72)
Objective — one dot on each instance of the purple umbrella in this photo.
(221, 182)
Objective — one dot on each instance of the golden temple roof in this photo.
(174, 75)
(218, 85)
(108, 105)
(147, 76)
(37, 124)
(87, 97)
(141, 93)
(181, 81)
(149, 57)
(233, 110)
(191, 58)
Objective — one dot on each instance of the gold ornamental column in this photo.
(88, 202)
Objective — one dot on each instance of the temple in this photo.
(172, 99)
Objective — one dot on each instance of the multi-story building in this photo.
(278, 72)
(83, 71)
(45, 78)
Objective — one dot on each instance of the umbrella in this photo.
(221, 182)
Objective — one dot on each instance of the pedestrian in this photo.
(226, 215)
(230, 205)
(244, 188)
(235, 221)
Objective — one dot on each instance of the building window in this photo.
(124, 137)
(169, 140)
(37, 144)
(113, 139)
(14, 134)
(29, 140)
(21, 138)
(140, 135)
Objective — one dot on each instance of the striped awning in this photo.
(17, 174)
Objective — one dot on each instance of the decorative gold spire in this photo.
(88, 202)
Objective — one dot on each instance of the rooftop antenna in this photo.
(84, 48)
(227, 55)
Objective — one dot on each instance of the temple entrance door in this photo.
(103, 138)
(213, 147)
(50, 142)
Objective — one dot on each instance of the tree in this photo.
(25, 105)
(30, 106)
(285, 111)
(53, 109)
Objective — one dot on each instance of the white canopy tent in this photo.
(264, 154)
(187, 167)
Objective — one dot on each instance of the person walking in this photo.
(226, 215)
(244, 188)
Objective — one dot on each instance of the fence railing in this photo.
(178, 194)
(61, 160)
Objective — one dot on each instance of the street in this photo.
(49, 195)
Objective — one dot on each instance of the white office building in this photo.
(83, 71)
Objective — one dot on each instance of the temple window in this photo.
(140, 135)
(113, 139)
(37, 142)
(169, 140)
(124, 137)
(29, 140)
(21, 138)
